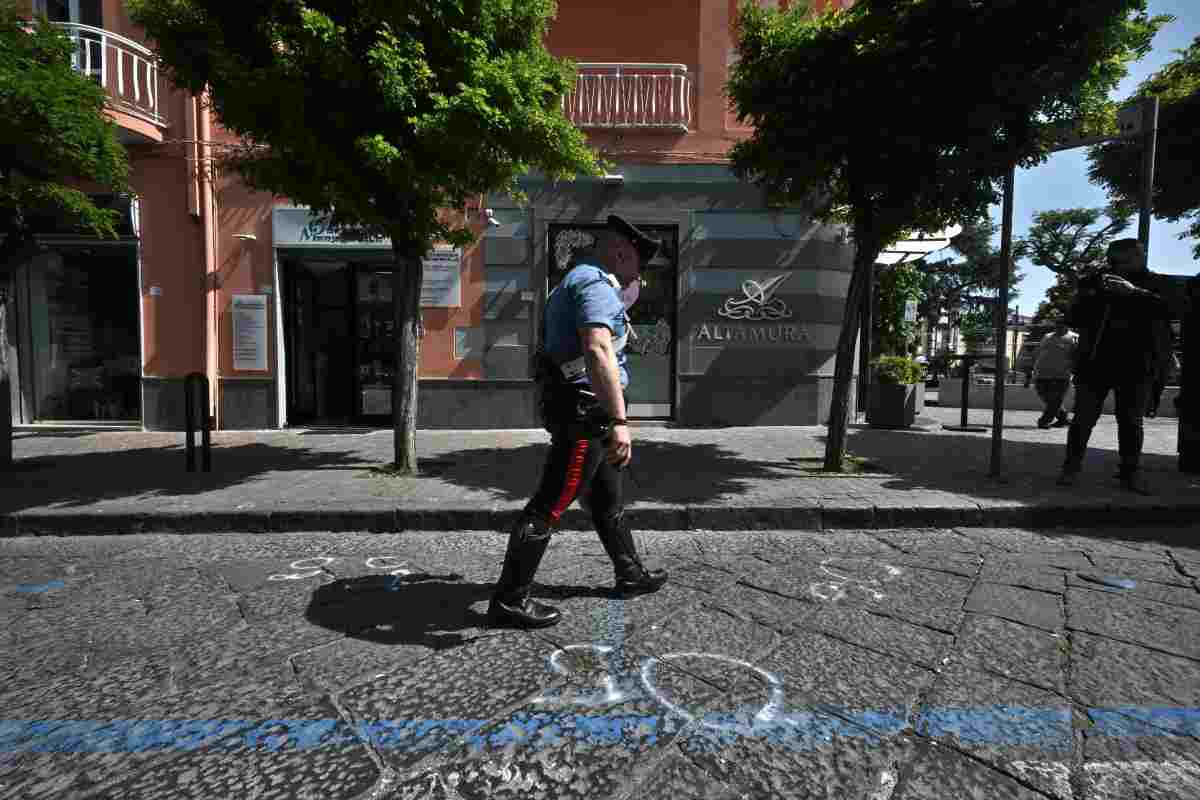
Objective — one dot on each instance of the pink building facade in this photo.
(737, 322)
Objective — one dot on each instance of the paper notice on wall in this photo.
(442, 286)
(250, 332)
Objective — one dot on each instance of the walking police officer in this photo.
(581, 377)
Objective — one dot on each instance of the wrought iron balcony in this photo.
(128, 71)
(631, 96)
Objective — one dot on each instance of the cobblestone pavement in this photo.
(708, 479)
(874, 665)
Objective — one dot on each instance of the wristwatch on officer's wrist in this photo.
(615, 421)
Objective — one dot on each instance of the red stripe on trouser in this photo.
(574, 476)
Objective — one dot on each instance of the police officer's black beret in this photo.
(647, 246)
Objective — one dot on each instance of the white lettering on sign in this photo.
(758, 334)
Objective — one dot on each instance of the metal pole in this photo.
(1003, 270)
(1149, 145)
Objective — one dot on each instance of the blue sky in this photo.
(1061, 182)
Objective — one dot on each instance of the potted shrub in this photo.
(897, 394)
(975, 328)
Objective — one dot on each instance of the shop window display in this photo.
(84, 331)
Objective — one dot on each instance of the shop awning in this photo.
(917, 246)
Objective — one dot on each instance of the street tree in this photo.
(852, 113)
(1117, 166)
(1071, 243)
(379, 116)
(966, 280)
(54, 135)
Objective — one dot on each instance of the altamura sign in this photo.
(757, 305)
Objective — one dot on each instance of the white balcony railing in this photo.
(646, 96)
(128, 71)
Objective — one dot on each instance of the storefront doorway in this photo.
(341, 346)
(651, 357)
(79, 355)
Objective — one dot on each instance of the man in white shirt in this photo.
(1052, 373)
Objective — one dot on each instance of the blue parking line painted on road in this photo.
(37, 588)
(1047, 729)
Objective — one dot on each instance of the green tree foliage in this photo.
(897, 286)
(1071, 243)
(380, 115)
(953, 285)
(853, 108)
(1118, 165)
(53, 133)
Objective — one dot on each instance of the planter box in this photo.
(894, 405)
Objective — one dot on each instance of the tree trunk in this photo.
(835, 444)
(6, 445)
(406, 315)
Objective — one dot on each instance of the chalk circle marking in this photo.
(769, 712)
(397, 566)
(312, 567)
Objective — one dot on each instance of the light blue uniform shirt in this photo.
(584, 297)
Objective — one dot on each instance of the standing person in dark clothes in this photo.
(582, 377)
(1052, 373)
(1120, 323)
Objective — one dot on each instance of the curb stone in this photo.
(833, 517)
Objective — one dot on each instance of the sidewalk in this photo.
(82, 481)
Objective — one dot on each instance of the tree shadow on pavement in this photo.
(662, 472)
(80, 477)
(435, 611)
(960, 462)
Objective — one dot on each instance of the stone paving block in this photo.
(923, 597)
(83, 759)
(1029, 607)
(1110, 674)
(938, 540)
(1186, 596)
(712, 631)
(425, 707)
(1017, 651)
(1131, 620)
(595, 616)
(765, 608)
(702, 577)
(571, 747)
(1161, 570)
(677, 777)
(1120, 764)
(912, 643)
(1004, 723)
(940, 772)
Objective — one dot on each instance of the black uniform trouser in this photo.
(1052, 391)
(576, 464)
(1132, 393)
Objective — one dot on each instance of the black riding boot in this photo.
(511, 604)
(632, 577)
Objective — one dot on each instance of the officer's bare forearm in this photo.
(606, 379)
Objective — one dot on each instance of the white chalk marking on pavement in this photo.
(397, 567)
(1113, 780)
(311, 570)
(836, 589)
(768, 713)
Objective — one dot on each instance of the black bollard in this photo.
(189, 389)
